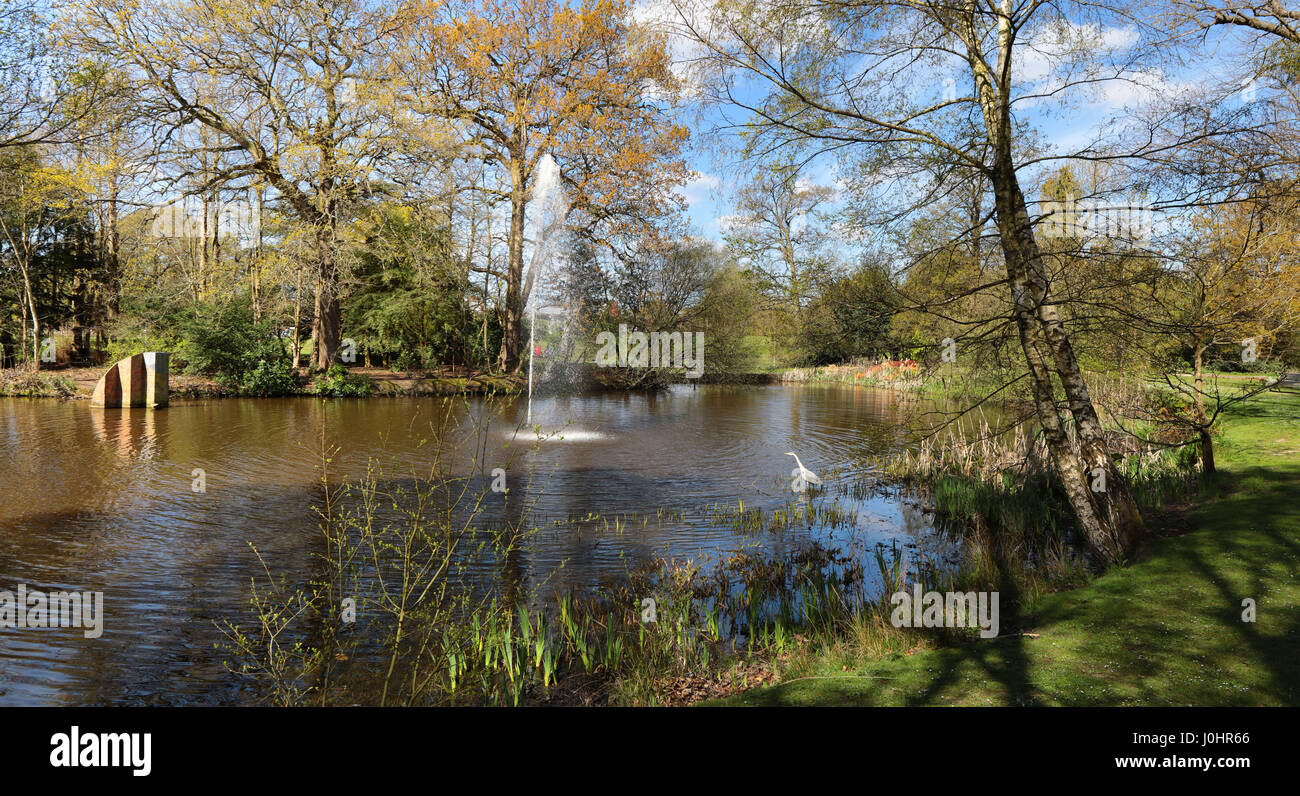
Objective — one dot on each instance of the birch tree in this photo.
(777, 233)
(926, 99)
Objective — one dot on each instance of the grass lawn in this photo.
(1165, 630)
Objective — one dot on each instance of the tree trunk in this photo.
(1066, 460)
(1202, 419)
(325, 326)
(325, 330)
(203, 247)
(36, 324)
(112, 264)
(255, 262)
(1119, 522)
(1108, 517)
(22, 342)
(514, 294)
(297, 320)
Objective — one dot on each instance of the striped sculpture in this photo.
(139, 380)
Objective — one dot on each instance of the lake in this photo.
(161, 510)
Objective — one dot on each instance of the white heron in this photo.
(803, 476)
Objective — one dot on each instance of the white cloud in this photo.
(700, 188)
(669, 17)
(1094, 72)
(1049, 49)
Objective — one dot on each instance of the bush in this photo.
(224, 342)
(339, 382)
(851, 318)
(145, 326)
(1235, 365)
(406, 362)
(32, 384)
(269, 378)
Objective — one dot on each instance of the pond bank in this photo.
(1166, 630)
(79, 382)
(74, 382)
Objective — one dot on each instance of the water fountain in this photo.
(548, 199)
(550, 251)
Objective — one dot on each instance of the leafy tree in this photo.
(406, 297)
(1232, 285)
(852, 317)
(777, 232)
(37, 199)
(265, 91)
(576, 81)
(926, 97)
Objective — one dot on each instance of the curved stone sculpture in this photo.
(140, 380)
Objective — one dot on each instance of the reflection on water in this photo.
(102, 500)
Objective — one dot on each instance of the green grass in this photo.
(1165, 630)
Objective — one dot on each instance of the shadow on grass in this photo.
(1168, 630)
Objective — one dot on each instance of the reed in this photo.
(426, 640)
(981, 483)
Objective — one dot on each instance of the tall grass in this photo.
(982, 482)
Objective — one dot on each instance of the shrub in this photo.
(34, 384)
(339, 382)
(269, 378)
(144, 326)
(1233, 364)
(405, 362)
(224, 342)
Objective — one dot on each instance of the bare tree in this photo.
(1264, 16)
(280, 91)
(777, 233)
(35, 75)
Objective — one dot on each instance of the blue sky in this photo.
(1063, 126)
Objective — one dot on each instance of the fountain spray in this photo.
(552, 210)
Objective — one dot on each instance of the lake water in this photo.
(104, 501)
